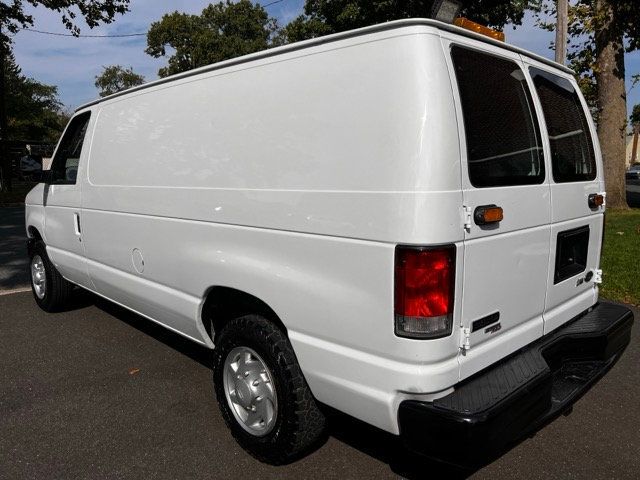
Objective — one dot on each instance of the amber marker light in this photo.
(596, 200)
(488, 214)
(478, 28)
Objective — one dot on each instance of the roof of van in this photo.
(327, 39)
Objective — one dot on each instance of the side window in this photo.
(64, 167)
(501, 128)
(572, 154)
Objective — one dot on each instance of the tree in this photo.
(634, 118)
(115, 78)
(33, 109)
(222, 31)
(13, 17)
(94, 12)
(322, 17)
(600, 32)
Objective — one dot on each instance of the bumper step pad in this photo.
(510, 400)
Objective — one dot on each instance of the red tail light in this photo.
(424, 291)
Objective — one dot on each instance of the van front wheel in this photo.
(50, 290)
(263, 396)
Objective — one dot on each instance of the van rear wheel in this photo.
(262, 394)
(50, 290)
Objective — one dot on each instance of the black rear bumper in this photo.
(512, 399)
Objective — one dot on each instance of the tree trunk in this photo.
(612, 101)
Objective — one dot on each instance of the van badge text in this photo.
(493, 328)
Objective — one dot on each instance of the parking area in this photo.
(98, 392)
(13, 259)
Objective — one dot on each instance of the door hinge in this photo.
(465, 334)
(467, 218)
(597, 276)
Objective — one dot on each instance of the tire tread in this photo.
(304, 425)
(58, 289)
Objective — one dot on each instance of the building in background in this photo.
(633, 148)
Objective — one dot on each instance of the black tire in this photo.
(58, 290)
(299, 423)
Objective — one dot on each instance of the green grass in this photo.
(621, 257)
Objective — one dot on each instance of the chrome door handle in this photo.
(76, 223)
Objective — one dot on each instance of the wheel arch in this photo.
(33, 233)
(222, 304)
(34, 223)
(33, 236)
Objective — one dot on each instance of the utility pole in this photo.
(5, 163)
(562, 18)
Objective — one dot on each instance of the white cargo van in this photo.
(402, 222)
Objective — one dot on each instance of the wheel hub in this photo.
(38, 276)
(250, 391)
(244, 393)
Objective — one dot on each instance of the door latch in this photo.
(465, 335)
(597, 276)
(468, 218)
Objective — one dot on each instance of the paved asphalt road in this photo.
(97, 392)
(13, 260)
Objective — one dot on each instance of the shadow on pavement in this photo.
(171, 339)
(389, 449)
(370, 440)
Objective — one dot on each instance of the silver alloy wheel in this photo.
(250, 391)
(38, 276)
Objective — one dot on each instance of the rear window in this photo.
(572, 155)
(501, 129)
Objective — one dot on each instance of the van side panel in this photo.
(287, 142)
(333, 294)
(292, 179)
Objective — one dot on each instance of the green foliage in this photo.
(634, 118)
(94, 12)
(222, 31)
(33, 109)
(586, 20)
(12, 18)
(322, 17)
(581, 53)
(116, 78)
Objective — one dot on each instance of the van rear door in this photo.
(575, 179)
(505, 260)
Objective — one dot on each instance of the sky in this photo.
(72, 63)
